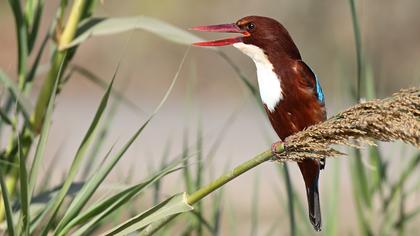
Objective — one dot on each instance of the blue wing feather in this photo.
(319, 92)
(317, 86)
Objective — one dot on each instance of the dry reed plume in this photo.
(389, 119)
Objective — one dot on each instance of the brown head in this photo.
(263, 32)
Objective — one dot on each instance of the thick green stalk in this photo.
(47, 88)
(222, 180)
(216, 184)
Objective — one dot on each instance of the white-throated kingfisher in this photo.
(289, 89)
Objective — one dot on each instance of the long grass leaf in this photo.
(362, 182)
(45, 181)
(101, 137)
(98, 81)
(157, 185)
(36, 68)
(106, 26)
(217, 205)
(86, 192)
(290, 197)
(24, 185)
(100, 210)
(331, 219)
(171, 206)
(40, 149)
(34, 20)
(253, 89)
(359, 194)
(7, 205)
(23, 103)
(254, 204)
(100, 175)
(413, 164)
(202, 222)
(46, 200)
(5, 118)
(199, 177)
(75, 166)
(411, 215)
(358, 43)
(21, 35)
(186, 173)
(27, 184)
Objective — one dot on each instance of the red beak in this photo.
(224, 28)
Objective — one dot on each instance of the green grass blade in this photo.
(157, 185)
(36, 67)
(359, 195)
(413, 164)
(46, 199)
(7, 205)
(254, 204)
(21, 35)
(24, 185)
(107, 26)
(410, 216)
(243, 78)
(102, 134)
(5, 118)
(100, 139)
(331, 219)
(45, 181)
(168, 92)
(40, 149)
(100, 175)
(100, 210)
(98, 81)
(75, 166)
(34, 16)
(217, 212)
(199, 178)
(27, 184)
(87, 191)
(186, 171)
(214, 147)
(358, 44)
(171, 206)
(201, 221)
(361, 179)
(290, 197)
(232, 220)
(23, 103)
(379, 174)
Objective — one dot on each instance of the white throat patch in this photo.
(268, 82)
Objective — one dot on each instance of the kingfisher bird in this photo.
(290, 91)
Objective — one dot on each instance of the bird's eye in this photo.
(250, 26)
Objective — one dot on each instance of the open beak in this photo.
(224, 28)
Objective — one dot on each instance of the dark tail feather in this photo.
(314, 206)
(310, 171)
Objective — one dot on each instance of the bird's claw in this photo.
(277, 154)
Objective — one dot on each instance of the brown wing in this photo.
(300, 106)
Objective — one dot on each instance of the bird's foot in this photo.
(274, 149)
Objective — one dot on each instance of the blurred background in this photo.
(210, 97)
